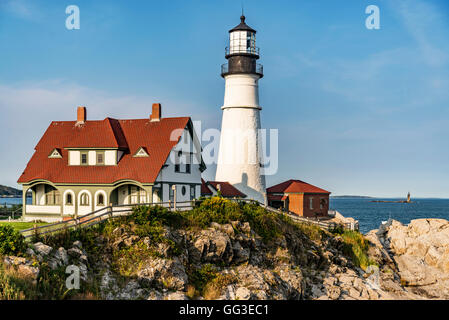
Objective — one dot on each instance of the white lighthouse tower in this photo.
(239, 156)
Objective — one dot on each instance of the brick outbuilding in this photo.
(300, 198)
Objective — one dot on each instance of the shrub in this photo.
(214, 209)
(201, 277)
(356, 247)
(12, 242)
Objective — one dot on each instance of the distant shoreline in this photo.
(353, 197)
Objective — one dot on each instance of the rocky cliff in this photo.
(232, 261)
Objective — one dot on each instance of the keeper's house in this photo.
(82, 166)
(300, 198)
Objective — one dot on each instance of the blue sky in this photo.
(358, 111)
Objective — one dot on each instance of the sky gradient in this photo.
(359, 111)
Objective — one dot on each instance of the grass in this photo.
(208, 282)
(22, 225)
(356, 247)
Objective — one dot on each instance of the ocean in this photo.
(371, 214)
(10, 201)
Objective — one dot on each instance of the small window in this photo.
(192, 192)
(311, 203)
(69, 199)
(183, 190)
(52, 196)
(188, 164)
(84, 160)
(84, 199)
(100, 158)
(323, 202)
(141, 152)
(100, 201)
(178, 162)
(171, 192)
(55, 154)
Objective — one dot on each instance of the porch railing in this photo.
(100, 215)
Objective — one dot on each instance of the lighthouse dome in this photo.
(242, 40)
(243, 26)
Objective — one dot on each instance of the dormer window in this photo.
(84, 158)
(55, 154)
(141, 152)
(100, 158)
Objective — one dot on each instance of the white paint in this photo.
(156, 197)
(40, 194)
(191, 149)
(74, 158)
(105, 198)
(66, 208)
(123, 195)
(92, 157)
(42, 218)
(82, 210)
(110, 157)
(43, 209)
(241, 90)
(197, 192)
(240, 156)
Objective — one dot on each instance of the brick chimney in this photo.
(156, 112)
(81, 115)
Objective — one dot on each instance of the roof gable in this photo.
(226, 189)
(295, 186)
(55, 154)
(141, 152)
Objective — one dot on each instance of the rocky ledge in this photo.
(230, 261)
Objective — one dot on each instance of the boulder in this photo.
(211, 246)
(241, 254)
(61, 256)
(242, 293)
(168, 273)
(41, 249)
(75, 252)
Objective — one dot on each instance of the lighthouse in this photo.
(240, 152)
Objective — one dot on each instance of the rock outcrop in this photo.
(420, 251)
(406, 262)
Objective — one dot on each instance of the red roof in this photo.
(273, 197)
(204, 189)
(127, 135)
(227, 189)
(295, 186)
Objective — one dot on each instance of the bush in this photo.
(12, 242)
(222, 211)
(214, 209)
(356, 247)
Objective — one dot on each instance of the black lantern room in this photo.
(242, 52)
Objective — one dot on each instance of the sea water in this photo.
(371, 214)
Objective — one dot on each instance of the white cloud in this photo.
(425, 23)
(21, 8)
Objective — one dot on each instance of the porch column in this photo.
(24, 200)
